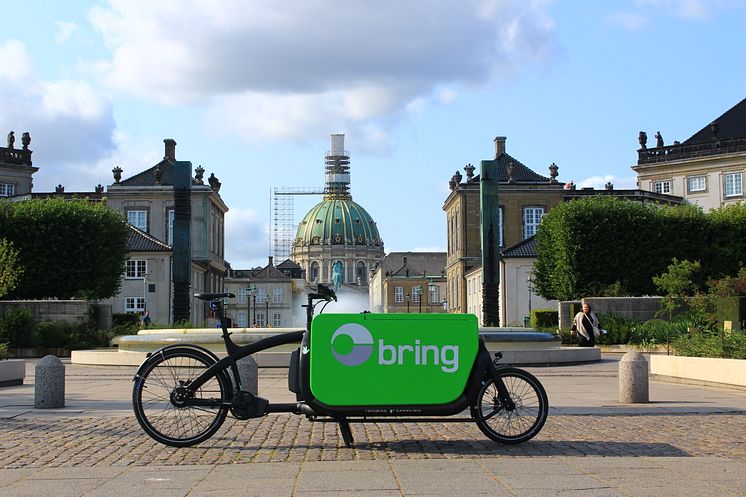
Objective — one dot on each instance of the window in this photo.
(662, 186)
(170, 217)
(399, 294)
(277, 295)
(136, 268)
(241, 320)
(138, 219)
(7, 190)
(416, 294)
(733, 184)
(696, 184)
(262, 292)
(260, 321)
(531, 220)
(134, 304)
(434, 294)
(502, 229)
(360, 272)
(277, 320)
(314, 271)
(241, 296)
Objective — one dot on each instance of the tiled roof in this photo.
(269, 273)
(139, 241)
(288, 264)
(732, 124)
(432, 263)
(526, 248)
(147, 177)
(521, 172)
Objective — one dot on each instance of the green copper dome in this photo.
(338, 221)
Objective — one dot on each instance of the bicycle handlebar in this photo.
(323, 293)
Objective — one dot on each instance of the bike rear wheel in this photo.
(517, 423)
(159, 388)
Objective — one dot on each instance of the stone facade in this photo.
(409, 282)
(706, 170)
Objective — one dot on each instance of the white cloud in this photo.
(599, 182)
(289, 69)
(65, 30)
(246, 237)
(628, 20)
(69, 121)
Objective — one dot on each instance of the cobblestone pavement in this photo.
(102, 442)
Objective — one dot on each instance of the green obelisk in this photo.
(490, 215)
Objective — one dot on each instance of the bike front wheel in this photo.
(159, 393)
(518, 420)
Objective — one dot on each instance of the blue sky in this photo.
(252, 89)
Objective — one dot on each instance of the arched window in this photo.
(314, 271)
(360, 273)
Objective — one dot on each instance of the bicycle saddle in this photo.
(213, 296)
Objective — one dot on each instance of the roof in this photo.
(413, 264)
(270, 272)
(147, 177)
(732, 124)
(139, 241)
(338, 221)
(288, 264)
(521, 173)
(525, 248)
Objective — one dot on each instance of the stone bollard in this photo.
(49, 391)
(633, 379)
(249, 372)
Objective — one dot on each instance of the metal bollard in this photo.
(249, 372)
(49, 390)
(633, 379)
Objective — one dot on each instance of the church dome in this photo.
(338, 221)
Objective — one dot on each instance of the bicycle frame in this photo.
(244, 405)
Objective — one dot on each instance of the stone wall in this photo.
(637, 308)
(72, 311)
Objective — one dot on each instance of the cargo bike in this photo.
(348, 368)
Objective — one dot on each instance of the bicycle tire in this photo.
(160, 417)
(512, 426)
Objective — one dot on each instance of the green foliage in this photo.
(67, 248)
(729, 346)
(620, 330)
(55, 334)
(10, 270)
(676, 283)
(544, 318)
(604, 245)
(17, 328)
(3, 351)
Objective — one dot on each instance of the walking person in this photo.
(587, 327)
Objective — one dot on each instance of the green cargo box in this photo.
(391, 359)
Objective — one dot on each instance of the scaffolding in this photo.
(283, 218)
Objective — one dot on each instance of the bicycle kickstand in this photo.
(344, 428)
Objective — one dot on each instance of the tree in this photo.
(10, 270)
(676, 283)
(68, 248)
(601, 244)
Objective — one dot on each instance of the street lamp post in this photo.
(250, 292)
(419, 297)
(430, 293)
(253, 296)
(408, 303)
(266, 310)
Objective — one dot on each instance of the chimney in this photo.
(170, 149)
(499, 146)
(270, 260)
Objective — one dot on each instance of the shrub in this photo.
(54, 334)
(729, 346)
(620, 330)
(544, 318)
(17, 328)
(3, 351)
